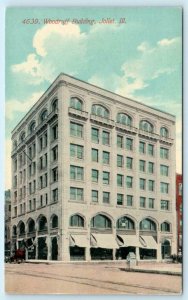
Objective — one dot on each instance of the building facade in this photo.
(179, 209)
(93, 176)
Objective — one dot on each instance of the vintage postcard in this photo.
(93, 194)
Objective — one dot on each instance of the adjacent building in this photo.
(179, 209)
(93, 176)
(7, 220)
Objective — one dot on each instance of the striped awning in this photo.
(107, 241)
(148, 242)
(129, 241)
(79, 240)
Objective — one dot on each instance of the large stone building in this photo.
(93, 176)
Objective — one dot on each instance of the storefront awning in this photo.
(107, 241)
(148, 242)
(129, 241)
(79, 240)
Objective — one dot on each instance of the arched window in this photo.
(147, 224)
(164, 132)
(124, 119)
(21, 228)
(32, 127)
(76, 221)
(76, 103)
(55, 105)
(146, 126)
(165, 227)
(101, 221)
(43, 223)
(22, 136)
(54, 221)
(14, 230)
(31, 226)
(100, 111)
(125, 223)
(43, 115)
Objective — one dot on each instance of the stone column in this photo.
(87, 254)
(137, 254)
(48, 242)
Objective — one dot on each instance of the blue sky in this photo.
(140, 59)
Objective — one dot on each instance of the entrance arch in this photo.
(165, 249)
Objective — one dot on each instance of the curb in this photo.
(152, 271)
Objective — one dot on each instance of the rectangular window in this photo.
(54, 132)
(95, 175)
(76, 194)
(95, 155)
(76, 130)
(15, 165)
(106, 157)
(30, 205)
(142, 202)
(142, 165)
(150, 167)
(55, 153)
(40, 143)
(45, 140)
(164, 205)
(129, 200)
(142, 183)
(164, 153)
(55, 174)
(95, 135)
(55, 195)
(129, 163)
(129, 182)
(129, 144)
(119, 180)
(106, 197)
(45, 182)
(164, 187)
(164, 170)
(120, 199)
(151, 150)
(119, 141)
(106, 177)
(46, 199)
(151, 202)
(94, 196)
(76, 173)
(120, 161)
(142, 146)
(41, 200)
(151, 185)
(76, 151)
(105, 138)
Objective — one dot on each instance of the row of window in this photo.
(77, 194)
(99, 221)
(122, 118)
(43, 201)
(43, 179)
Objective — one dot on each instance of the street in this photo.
(80, 278)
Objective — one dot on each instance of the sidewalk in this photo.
(142, 267)
(157, 268)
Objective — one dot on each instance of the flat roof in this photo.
(61, 75)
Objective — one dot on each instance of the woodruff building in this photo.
(93, 176)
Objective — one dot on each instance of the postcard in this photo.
(93, 183)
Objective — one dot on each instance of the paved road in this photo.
(85, 279)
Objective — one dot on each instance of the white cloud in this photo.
(14, 106)
(58, 48)
(167, 42)
(42, 36)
